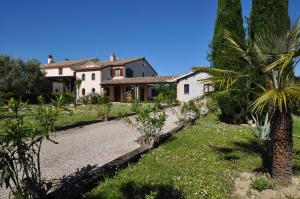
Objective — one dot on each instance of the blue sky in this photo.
(172, 35)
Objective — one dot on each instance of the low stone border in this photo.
(87, 178)
(84, 123)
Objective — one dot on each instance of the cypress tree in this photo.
(229, 16)
(268, 16)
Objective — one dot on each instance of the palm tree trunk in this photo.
(282, 146)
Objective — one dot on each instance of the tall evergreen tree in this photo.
(229, 16)
(268, 16)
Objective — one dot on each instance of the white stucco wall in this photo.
(53, 72)
(88, 84)
(139, 67)
(196, 88)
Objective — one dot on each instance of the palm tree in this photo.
(77, 84)
(271, 85)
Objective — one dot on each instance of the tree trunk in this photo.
(282, 146)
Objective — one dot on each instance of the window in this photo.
(208, 88)
(93, 76)
(56, 90)
(129, 72)
(186, 89)
(83, 91)
(93, 90)
(143, 74)
(117, 72)
(83, 77)
(60, 71)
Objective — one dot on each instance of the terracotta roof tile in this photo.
(67, 63)
(92, 65)
(140, 80)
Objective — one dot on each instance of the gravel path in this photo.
(93, 145)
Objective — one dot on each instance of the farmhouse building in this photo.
(190, 86)
(114, 77)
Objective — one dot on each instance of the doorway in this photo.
(117, 93)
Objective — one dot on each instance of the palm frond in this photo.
(280, 98)
(225, 79)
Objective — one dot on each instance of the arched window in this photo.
(93, 90)
(83, 77)
(93, 76)
(83, 91)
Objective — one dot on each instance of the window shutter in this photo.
(112, 72)
(121, 72)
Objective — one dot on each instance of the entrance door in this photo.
(142, 94)
(117, 94)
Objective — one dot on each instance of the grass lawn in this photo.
(81, 114)
(186, 167)
(89, 112)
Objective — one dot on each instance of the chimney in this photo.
(50, 59)
(112, 57)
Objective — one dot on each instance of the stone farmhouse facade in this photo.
(113, 77)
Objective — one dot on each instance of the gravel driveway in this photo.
(93, 145)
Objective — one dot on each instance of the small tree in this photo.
(104, 107)
(77, 84)
(149, 123)
(188, 112)
(20, 147)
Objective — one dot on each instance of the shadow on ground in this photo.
(132, 190)
(250, 147)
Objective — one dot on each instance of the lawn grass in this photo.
(89, 112)
(186, 167)
(80, 114)
(297, 125)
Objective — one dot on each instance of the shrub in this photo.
(103, 111)
(212, 105)
(6, 96)
(149, 123)
(166, 94)
(103, 99)
(85, 100)
(261, 183)
(188, 111)
(94, 98)
(136, 105)
(206, 105)
(20, 146)
(68, 97)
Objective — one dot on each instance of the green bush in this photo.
(189, 111)
(212, 105)
(6, 96)
(93, 98)
(261, 183)
(136, 105)
(103, 99)
(166, 94)
(149, 123)
(20, 145)
(68, 97)
(103, 111)
(85, 100)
